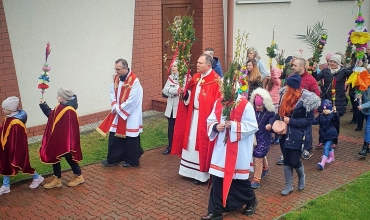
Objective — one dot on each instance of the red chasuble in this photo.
(236, 115)
(61, 136)
(209, 93)
(104, 127)
(14, 148)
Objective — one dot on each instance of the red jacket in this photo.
(309, 82)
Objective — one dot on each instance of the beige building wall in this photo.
(86, 36)
(290, 19)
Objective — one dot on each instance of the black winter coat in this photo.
(299, 132)
(327, 130)
(326, 93)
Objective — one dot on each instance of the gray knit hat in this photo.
(336, 58)
(65, 93)
(11, 103)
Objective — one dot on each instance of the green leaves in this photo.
(313, 35)
(183, 34)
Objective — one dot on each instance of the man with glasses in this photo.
(124, 122)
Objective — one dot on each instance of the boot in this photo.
(167, 151)
(56, 182)
(364, 150)
(288, 173)
(331, 157)
(76, 181)
(301, 178)
(321, 165)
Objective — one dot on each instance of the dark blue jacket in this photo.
(299, 131)
(327, 130)
(216, 66)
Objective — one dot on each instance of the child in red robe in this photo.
(62, 138)
(14, 146)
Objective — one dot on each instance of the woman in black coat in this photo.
(340, 74)
(296, 110)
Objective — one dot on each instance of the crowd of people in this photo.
(279, 108)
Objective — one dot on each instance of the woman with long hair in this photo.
(254, 77)
(252, 53)
(296, 110)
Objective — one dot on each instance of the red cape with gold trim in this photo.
(14, 148)
(61, 136)
(209, 93)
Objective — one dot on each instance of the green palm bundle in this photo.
(313, 35)
(315, 38)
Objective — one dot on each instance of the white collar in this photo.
(206, 74)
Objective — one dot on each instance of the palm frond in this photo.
(313, 34)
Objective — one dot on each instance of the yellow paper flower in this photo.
(244, 88)
(360, 37)
(353, 78)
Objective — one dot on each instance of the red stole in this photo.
(231, 147)
(209, 93)
(125, 92)
(61, 136)
(14, 148)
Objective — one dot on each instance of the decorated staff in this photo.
(334, 83)
(358, 38)
(44, 78)
(183, 36)
(230, 85)
(272, 50)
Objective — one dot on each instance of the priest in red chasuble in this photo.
(232, 161)
(202, 92)
(14, 146)
(62, 138)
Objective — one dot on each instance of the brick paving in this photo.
(156, 191)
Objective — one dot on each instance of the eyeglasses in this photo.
(117, 69)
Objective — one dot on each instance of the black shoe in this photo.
(197, 182)
(106, 164)
(212, 216)
(125, 164)
(167, 151)
(365, 149)
(353, 122)
(358, 129)
(250, 209)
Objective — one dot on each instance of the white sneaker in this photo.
(36, 182)
(4, 189)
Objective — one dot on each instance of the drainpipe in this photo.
(230, 29)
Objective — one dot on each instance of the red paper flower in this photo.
(43, 86)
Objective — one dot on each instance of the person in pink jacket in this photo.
(273, 85)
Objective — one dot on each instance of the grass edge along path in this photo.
(349, 201)
(94, 147)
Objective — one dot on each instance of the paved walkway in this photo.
(156, 191)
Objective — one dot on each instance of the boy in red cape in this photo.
(14, 146)
(62, 138)
(232, 162)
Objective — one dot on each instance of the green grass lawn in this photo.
(351, 201)
(94, 146)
